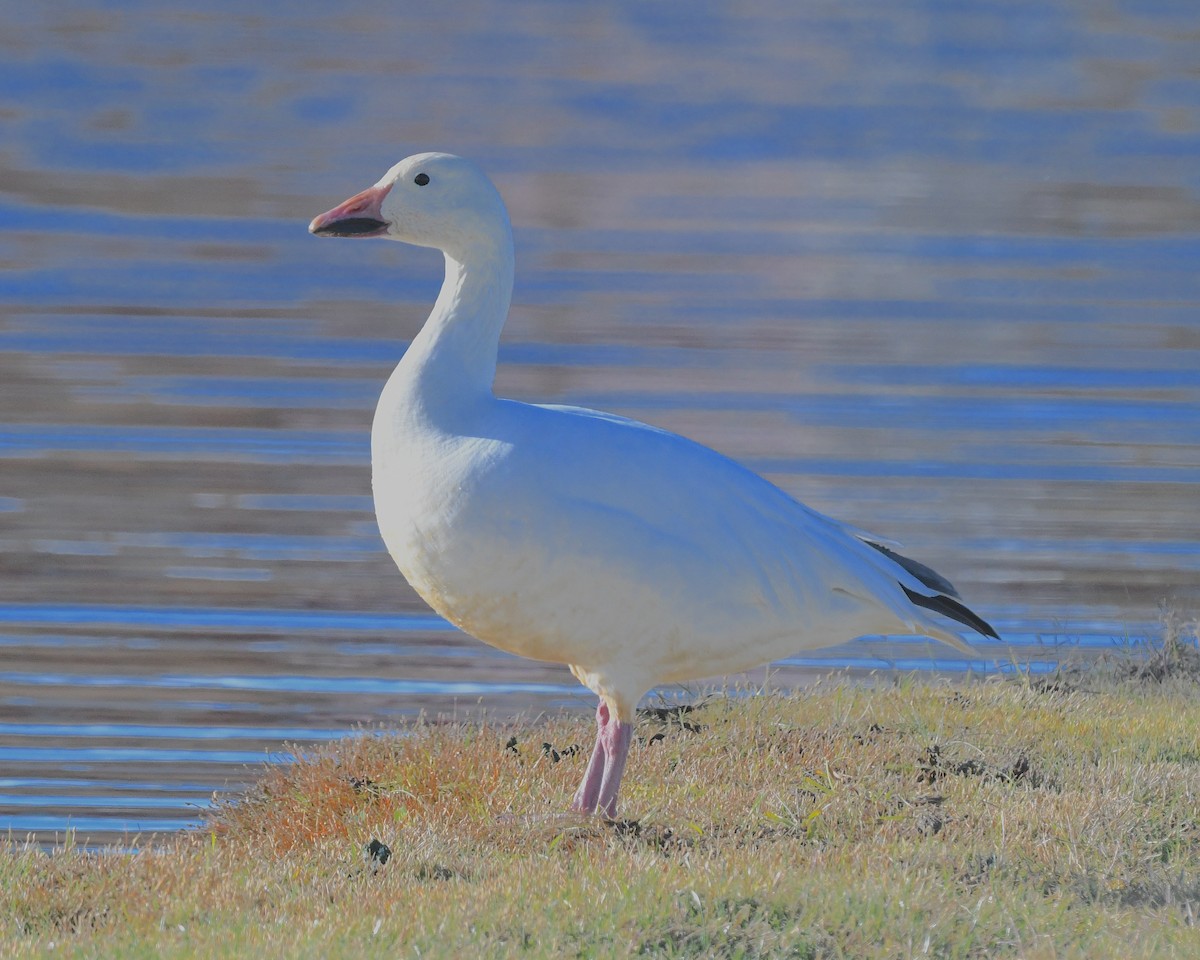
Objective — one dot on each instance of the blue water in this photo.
(930, 268)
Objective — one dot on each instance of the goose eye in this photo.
(421, 179)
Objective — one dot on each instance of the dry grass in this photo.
(997, 819)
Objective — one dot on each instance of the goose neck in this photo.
(454, 355)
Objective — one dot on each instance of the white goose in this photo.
(633, 555)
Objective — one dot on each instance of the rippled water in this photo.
(932, 269)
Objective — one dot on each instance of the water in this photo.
(932, 269)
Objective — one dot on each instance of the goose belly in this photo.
(522, 584)
(569, 582)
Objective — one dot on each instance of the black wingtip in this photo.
(927, 575)
(949, 607)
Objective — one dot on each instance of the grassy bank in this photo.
(918, 819)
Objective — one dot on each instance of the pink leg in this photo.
(616, 751)
(602, 779)
(589, 789)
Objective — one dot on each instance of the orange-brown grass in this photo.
(994, 819)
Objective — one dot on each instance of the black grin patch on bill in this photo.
(352, 227)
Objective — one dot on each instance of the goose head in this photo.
(429, 199)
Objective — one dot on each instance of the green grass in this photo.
(994, 819)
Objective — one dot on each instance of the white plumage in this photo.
(632, 554)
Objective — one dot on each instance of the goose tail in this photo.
(942, 599)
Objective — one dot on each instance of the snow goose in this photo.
(633, 555)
